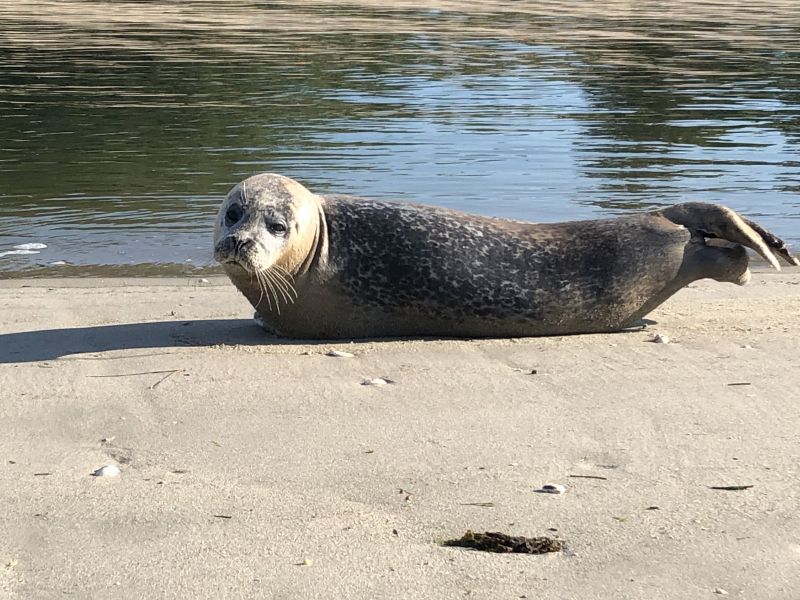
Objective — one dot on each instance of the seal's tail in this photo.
(715, 221)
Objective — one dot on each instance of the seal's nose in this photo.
(243, 248)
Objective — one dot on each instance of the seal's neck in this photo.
(317, 255)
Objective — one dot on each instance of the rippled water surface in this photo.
(122, 125)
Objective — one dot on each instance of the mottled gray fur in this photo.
(377, 269)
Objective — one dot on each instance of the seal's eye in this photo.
(233, 215)
(277, 228)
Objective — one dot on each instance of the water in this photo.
(122, 125)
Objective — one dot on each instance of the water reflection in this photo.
(123, 124)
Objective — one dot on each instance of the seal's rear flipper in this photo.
(775, 243)
(715, 221)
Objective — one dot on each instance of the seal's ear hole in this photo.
(233, 215)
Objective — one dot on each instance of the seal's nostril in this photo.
(241, 248)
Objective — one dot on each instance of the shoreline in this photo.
(263, 468)
(149, 272)
(143, 270)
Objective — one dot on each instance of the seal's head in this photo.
(267, 221)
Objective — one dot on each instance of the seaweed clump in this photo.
(500, 542)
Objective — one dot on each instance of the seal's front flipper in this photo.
(715, 221)
(262, 323)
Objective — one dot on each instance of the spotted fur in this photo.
(365, 268)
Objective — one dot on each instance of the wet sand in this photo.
(261, 469)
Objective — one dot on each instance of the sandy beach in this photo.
(261, 468)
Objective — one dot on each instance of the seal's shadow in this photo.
(50, 344)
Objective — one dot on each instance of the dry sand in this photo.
(255, 469)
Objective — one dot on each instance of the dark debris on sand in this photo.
(500, 542)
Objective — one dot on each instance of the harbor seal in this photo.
(333, 267)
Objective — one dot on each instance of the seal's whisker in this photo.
(279, 285)
(282, 270)
(271, 288)
(270, 292)
(291, 289)
(287, 278)
(260, 296)
(262, 287)
(284, 286)
(260, 290)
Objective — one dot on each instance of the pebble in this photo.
(376, 381)
(107, 471)
(721, 592)
(553, 488)
(339, 354)
(661, 338)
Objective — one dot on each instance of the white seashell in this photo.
(376, 381)
(107, 471)
(339, 354)
(661, 338)
(552, 488)
(31, 246)
(10, 252)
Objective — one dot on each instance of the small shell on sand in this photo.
(107, 471)
(661, 338)
(375, 381)
(339, 354)
(552, 488)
